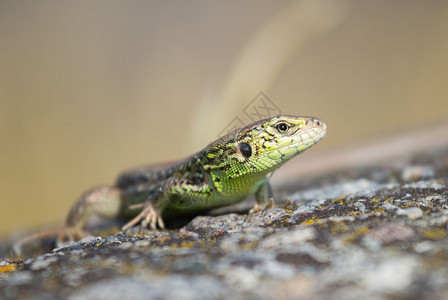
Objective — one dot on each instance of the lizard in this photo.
(225, 172)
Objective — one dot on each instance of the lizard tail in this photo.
(53, 232)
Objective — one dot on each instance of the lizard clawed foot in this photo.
(257, 207)
(149, 215)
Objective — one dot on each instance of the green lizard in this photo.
(225, 172)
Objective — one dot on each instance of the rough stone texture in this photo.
(369, 233)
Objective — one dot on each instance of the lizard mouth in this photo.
(300, 141)
(317, 133)
(311, 135)
(306, 138)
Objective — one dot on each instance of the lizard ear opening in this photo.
(245, 149)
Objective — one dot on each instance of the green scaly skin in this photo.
(225, 172)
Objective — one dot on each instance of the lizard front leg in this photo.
(263, 196)
(153, 207)
(151, 214)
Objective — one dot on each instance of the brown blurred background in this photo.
(89, 88)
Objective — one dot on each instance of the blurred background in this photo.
(90, 88)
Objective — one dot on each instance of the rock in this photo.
(411, 212)
(374, 232)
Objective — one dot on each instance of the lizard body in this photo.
(225, 172)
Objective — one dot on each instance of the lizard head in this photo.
(264, 146)
(269, 143)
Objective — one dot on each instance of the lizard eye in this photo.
(282, 127)
(245, 149)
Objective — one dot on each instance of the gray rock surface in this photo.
(371, 232)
